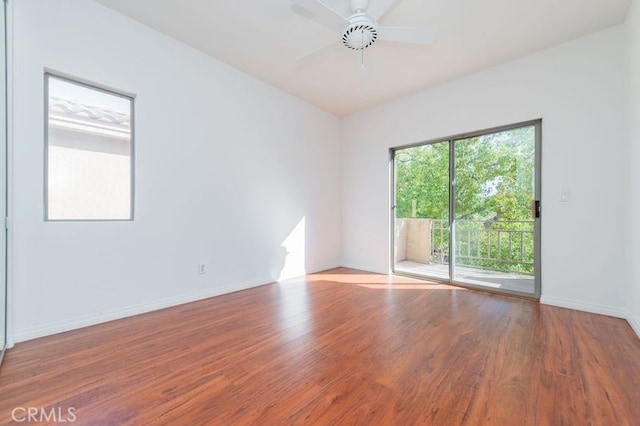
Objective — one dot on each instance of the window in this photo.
(89, 152)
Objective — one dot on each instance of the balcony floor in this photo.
(464, 275)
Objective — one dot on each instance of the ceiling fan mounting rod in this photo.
(359, 6)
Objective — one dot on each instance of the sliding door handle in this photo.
(535, 209)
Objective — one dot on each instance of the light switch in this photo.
(565, 196)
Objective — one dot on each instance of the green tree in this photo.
(422, 176)
(494, 176)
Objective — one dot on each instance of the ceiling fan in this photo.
(361, 30)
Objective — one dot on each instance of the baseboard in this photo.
(635, 325)
(119, 313)
(366, 268)
(594, 308)
(111, 315)
(312, 270)
(324, 267)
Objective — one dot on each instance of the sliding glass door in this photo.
(465, 209)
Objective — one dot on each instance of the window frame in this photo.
(101, 88)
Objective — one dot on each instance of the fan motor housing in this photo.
(360, 33)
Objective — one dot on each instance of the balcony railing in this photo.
(499, 245)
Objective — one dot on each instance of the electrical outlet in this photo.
(201, 268)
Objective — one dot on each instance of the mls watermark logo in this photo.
(43, 414)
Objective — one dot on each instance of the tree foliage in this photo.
(494, 178)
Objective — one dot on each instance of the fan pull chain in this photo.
(362, 49)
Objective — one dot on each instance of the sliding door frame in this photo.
(537, 124)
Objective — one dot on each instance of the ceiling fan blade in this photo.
(377, 8)
(416, 35)
(324, 14)
(313, 55)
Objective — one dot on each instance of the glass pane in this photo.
(422, 210)
(494, 228)
(88, 153)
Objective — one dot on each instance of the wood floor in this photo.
(340, 347)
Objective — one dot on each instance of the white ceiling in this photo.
(265, 37)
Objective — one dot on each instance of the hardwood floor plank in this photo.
(338, 347)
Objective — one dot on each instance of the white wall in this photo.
(226, 168)
(633, 72)
(578, 90)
